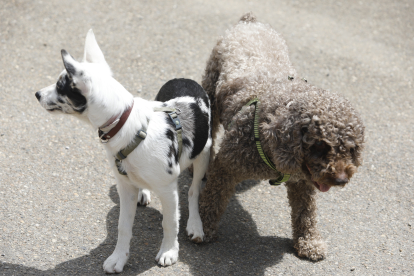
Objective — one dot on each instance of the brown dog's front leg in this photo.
(306, 237)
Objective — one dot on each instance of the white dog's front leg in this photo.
(168, 253)
(128, 196)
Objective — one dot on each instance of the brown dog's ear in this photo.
(283, 137)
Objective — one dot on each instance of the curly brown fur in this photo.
(312, 134)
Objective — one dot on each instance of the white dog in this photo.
(87, 90)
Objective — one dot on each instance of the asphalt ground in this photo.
(58, 202)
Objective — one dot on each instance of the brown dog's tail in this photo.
(209, 83)
(248, 17)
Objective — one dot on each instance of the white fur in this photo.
(194, 224)
(145, 165)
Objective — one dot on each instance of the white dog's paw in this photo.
(115, 263)
(167, 257)
(195, 230)
(144, 197)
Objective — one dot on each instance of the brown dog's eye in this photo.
(353, 150)
(320, 146)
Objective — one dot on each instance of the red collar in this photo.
(124, 117)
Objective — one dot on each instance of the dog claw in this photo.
(143, 203)
(115, 263)
(167, 258)
(197, 240)
(195, 230)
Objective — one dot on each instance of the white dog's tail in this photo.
(248, 17)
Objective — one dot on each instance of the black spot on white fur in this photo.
(169, 132)
(201, 132)
(52, 106)
(186, 142)
(69, 67)
(180, 88)
(177, 88)
(70, 95)
(171, 151)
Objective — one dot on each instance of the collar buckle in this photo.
(107, 132)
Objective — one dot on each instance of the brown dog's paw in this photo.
(209, 220)
(313, 249)
(208, 239)
(210, 235)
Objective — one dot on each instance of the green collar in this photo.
(283, 177)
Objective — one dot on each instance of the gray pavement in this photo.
(59, 206)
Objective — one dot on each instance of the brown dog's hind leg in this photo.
(220, 187)
(306, 237)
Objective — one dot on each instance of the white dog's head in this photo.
(86, 88)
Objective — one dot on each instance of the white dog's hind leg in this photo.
(168, 253)
(194, 224)
(144, 197)
(128, 196)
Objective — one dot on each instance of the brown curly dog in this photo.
(309, 133)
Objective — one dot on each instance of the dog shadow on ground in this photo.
(239, 250)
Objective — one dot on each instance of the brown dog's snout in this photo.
(342, 173)
(341, 181)
(341, 178)
(38, 95)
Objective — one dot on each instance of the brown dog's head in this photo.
(326, 166)
(318, 134)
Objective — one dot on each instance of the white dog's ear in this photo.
(92, 53)
(71, 65)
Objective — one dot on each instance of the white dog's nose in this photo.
(38, 95)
